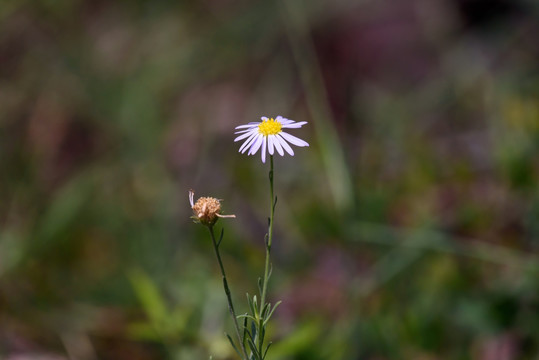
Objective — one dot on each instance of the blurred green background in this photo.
(409, 229)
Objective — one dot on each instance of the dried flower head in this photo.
(206, 210)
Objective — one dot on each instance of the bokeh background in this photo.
(409, 229)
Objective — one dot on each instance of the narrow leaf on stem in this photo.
(233, 345)
(266, 352)
(221, 237)
(271, 312)
(245, 331)
(260, 286)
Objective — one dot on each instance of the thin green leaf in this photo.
(246, 316)
(266, 352)
(249, 335)
(265, 310)
(233, 345)
(253, 330)
(260, 286)
(245, 331)
(253, 348)
(255, 305)
(251, 305)
(270, 271)
(221, 237)
(271, 312)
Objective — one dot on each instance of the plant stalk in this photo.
(228, 296)
(268, 251)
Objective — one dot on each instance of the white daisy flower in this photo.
(269, 134)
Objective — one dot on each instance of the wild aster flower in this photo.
(206, 210)
(269, 134)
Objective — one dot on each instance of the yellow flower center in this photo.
(269, 127)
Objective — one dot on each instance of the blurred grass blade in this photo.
(429, 239)
(149, 296)
(332, 153)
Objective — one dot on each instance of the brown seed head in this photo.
(206, 209)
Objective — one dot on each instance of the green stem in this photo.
(228, 296)
(268, 250)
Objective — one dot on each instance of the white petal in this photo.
(250, 146)
(256, 145)
(250, 125)
(264, 150)
(247, 143)
(285, 144)
(270, 144)
(277, 145)
(294, 125)
(292, 139)
(243, 131)
(263, 118)
(191, 196)
(284, 120)
(245, 135)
